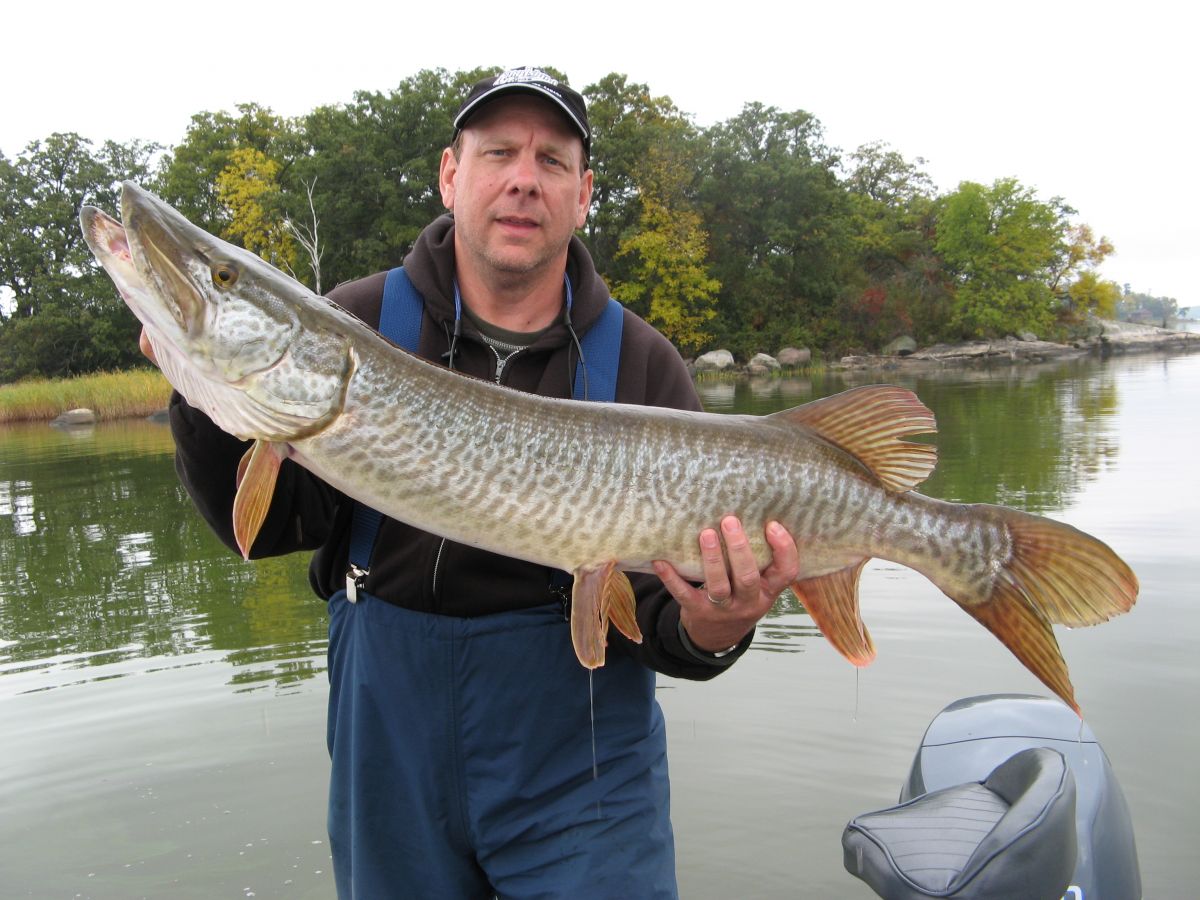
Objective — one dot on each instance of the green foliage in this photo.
(628, 125)
(375, 161)
(62, 315)
(776, 217)
(750, 235)
(189, 177)
(897, 284)
(1140, 307)
(1001, 244)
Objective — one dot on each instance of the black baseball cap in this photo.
(528, 80)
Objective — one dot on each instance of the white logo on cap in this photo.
(529, 73)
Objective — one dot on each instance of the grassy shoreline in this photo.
(110, 395)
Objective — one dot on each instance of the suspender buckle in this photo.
(356, 578)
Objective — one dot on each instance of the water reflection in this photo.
(1030, 436)
(104, 560)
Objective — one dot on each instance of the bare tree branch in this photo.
(307, 237)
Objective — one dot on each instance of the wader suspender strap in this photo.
(400, 322)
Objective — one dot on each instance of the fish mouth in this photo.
(162, 247)
(109, 243)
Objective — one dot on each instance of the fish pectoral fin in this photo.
(868, 423)
(832, 601)
(601, 593)
(256, 476)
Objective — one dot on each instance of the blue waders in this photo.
(462, 749)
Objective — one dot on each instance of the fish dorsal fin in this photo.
(868, 423)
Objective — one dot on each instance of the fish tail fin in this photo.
(1054, 574)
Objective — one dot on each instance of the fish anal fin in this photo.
(256, 477)
(832, 602)
(601, 593)
(619, 605)
(869, 423)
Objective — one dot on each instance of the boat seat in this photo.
(1012, 835)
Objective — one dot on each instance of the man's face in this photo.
(516, 190)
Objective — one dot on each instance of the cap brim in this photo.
(526, 88)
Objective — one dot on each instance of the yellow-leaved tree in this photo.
(249, 188)
(670, 284)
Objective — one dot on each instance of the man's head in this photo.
(516, 177)
(532, 81)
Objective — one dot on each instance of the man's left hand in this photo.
(734, 596)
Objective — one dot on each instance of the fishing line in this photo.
(574, 337)
(449, 354)
(592, 715)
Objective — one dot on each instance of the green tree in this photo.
(775, 213)
(63, 316)
(1001, 244)
(190, 174)
(897, 284)
(1073, 276)
(1079, 250)
(628, 123)
(373, 164)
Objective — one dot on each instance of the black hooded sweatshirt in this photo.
(419, 570)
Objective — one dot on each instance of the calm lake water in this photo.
(162, 702)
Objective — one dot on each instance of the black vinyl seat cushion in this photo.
(1012, 835)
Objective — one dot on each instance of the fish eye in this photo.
(223, 275)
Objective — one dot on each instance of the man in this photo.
(472, 755)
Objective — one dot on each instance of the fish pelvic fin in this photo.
(869, 423)
(256, 477)
(1055, 574)
(601, 594)
(832, 602)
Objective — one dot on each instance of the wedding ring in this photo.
(714, 601)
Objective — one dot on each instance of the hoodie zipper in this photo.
(501, 363)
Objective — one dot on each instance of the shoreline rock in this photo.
(71, 417)
(1102, 337)
(1106, 339)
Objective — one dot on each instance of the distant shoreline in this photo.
(1109, 338)
(1114, 338)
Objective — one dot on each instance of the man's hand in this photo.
(146, 347)
(733, 598)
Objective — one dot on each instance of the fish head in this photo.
(227, 328)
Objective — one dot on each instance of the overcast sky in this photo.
(1091, 101)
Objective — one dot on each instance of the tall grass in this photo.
(110, 395)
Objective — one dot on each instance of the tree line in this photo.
(751, 235)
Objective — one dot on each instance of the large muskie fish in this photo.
(595, 489)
